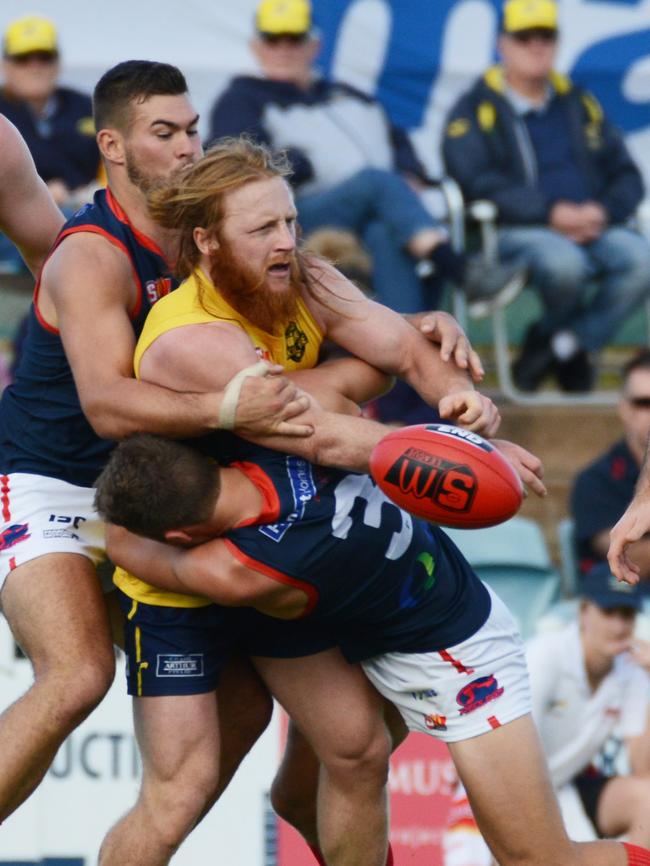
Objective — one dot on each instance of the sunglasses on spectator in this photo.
(543, 34)
(40, 56)
(276, 38)
(639, 402)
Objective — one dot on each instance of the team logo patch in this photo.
(157, 289)
(478, 693)
(177, 665)
(296, 341)
(435, 722)
(450, 485)
(13, 534)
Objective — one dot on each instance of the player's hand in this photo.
(632, 526)
(528, 467)
(269, 404)
(471, 410)
(441, 328)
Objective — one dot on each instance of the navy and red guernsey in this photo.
(43, 430)
(378, 580)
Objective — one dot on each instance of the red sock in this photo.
(637, 856)
(390, 862)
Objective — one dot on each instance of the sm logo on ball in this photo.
(417, 473)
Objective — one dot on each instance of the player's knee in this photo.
(82, 687)
(362, 757)
(174, 806)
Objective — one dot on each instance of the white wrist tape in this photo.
(230, 399)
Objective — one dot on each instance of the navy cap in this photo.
(600, 586)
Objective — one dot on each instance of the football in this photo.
(446, 475)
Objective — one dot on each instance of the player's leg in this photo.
(245, 708)
(623, 808)
(340, 714)
(178, 737)
(295, 786)
(56, 611)
(504, 774)
(176, 658)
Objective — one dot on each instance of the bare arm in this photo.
(639, 551)
(633, 525)
(203, 357)
(209, 570)
(384, 339)
(441, 328)
(87, 290)
(28, 215)
(342, 384)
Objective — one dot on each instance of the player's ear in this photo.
(178, 537)
(205, 241)
(111, 145)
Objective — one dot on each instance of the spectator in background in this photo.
(564, 184)
(56, 122)
(352, 168)
(604, 489)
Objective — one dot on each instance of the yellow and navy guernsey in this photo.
(297, 348)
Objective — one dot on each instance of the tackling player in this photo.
(326, 553)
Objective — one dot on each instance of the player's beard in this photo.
(145, 180)
(244, 289)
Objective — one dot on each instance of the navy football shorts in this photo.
(174, 650)
(269, 637)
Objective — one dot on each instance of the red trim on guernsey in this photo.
(636, 856)
(96, 230)
(271, 501)
(12, 563)
(494, 722)
(460, 667)
(144, 240)
(279, 576)
(4, 497)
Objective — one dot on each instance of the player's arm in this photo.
(209, 570)
(28, 215)
(204, 357)
(343, 384)
(87, 290)
(441, 328)
(384, 339)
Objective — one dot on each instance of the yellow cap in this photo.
(28, 34)
(529, 14)
(283, 16)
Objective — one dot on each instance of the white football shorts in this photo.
(463, 691)
(41, 515)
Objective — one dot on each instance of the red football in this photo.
(447, 475)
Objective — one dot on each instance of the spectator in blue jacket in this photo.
(352, 168)
(564, 184)
(56, 122)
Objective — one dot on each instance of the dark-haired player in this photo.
(326, 553)
(74, 393)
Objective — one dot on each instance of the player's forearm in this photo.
(130, 406)
(338, 440)
(429, 375)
